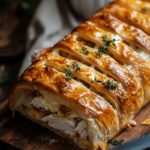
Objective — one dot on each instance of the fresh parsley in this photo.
(75, 66)
(84, 49)
(109, 83)
(145, 8)
(115, 142)
(5, 79)
(105, 48)
(68, 72)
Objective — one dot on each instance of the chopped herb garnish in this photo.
(5, 79)
(105, 38)
(84, 49)
(115, 142)
(105, 48)
(111, 42)
(99, 53)
(109, 83)
(75, 66)
(68, 72)
(98, 81)
(108, 42)
(145, 8)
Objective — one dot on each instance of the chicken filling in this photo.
(61, 118)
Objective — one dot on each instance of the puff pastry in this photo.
(83, 108)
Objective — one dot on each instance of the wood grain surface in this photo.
(24, 134)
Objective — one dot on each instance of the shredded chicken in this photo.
(81, 129)
(38, 102)
(64, 125)
(59, 122)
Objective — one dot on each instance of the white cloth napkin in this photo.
(53, 20)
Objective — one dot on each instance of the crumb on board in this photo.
(147, 121)
(125, 140)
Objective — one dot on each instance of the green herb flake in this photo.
(99, 53)
(145, 8)
(106, 48)
(68, 72)
(84, 49)
(75, 66)
(98, 81)
(103, 49)
(115, 142)
(109, 83)
(104, 38)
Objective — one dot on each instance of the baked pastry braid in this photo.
(90, 85)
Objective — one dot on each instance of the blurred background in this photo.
(15, 16)
(28, 25)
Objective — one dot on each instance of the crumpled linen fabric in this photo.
(53, 20)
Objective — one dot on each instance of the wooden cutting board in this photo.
(24, 134)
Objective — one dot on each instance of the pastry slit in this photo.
(131, 17)
(85, 62)
(132, 60)
(106, 97)
(134, 5)
(100, 68)
(130, 34)
(103, 121)
(54, 61)
(122, 63)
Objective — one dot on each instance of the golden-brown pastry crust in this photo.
(131, 35)
(129, 16)
(136, 5)
(126, 31)
(126, 63)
